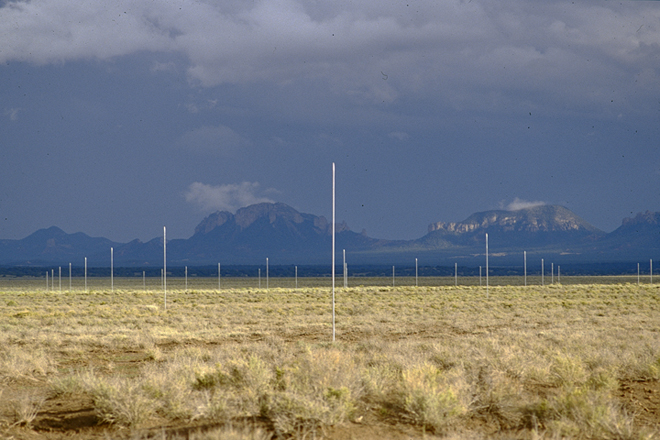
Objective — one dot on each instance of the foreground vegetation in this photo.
(552, 361)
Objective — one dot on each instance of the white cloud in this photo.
(518, 204)
(229, 197)
(12, 113)
(399, 135)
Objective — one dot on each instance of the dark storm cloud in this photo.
(458, 51)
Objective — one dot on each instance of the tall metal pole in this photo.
(296, 277)
(260, 278)
(69, 277)
(486, 265)
(455, 274)
(266, 273)
(525, 264)
(165, 267)
(333, 252)
(60, 279)
(651, 271)
(542, 273)
(112, 269)
(85, 274)
(219, 275)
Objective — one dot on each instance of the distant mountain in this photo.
(637, 237)
(286, 236)
(547, 229)
(55, 245)
(273, 230)
(536, 227)
(259, 231)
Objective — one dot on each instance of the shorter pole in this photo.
(344, 268)
(416, 273)
(164, 268)
(552, 273)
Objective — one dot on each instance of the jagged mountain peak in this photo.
(213, 221)
(273, 211)
(648, 217)
(270, 213)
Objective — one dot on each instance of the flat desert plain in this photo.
(573, 360)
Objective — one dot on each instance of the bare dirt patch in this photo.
(643, 400)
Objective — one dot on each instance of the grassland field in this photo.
(580, 359)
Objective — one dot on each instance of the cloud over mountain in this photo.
(518, 204)
(229, 197)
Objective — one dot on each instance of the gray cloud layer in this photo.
(458, 51)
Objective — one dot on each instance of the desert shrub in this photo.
(580, 412)
(496, 396)
(119, 401)
(26, 408)
(430, 397)
(567, 371)
(18, 362)
(316, 387)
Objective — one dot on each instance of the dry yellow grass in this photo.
(535, 362)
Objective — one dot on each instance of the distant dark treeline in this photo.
(281, 271)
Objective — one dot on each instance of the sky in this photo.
(118, 118)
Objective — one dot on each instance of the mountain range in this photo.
(286, 236)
